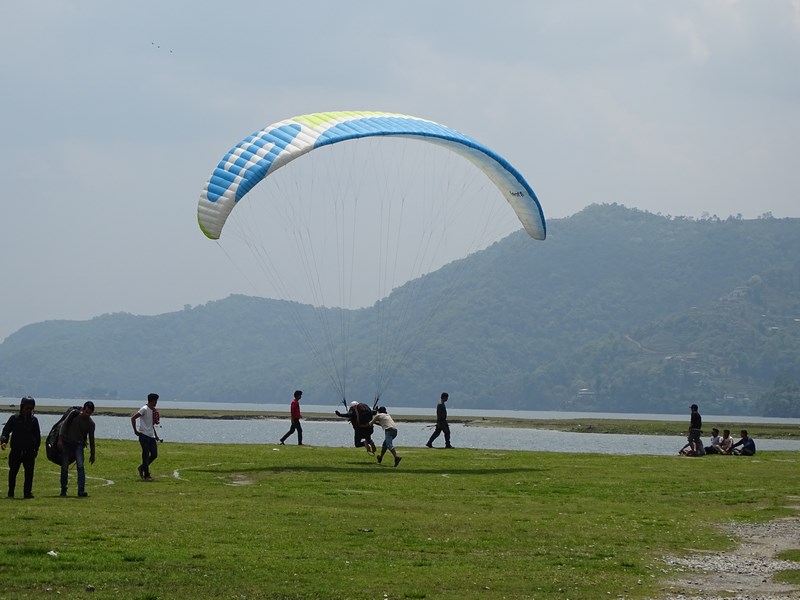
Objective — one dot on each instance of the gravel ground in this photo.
(744, 574)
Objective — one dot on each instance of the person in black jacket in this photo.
(360, 415)
(695, 431)
(26, 437)
(441, 423)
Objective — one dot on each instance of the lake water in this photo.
(338, 433)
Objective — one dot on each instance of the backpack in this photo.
(51, 444)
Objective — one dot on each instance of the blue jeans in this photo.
(149, 452)
(77, 450)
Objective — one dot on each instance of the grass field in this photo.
(289, 522)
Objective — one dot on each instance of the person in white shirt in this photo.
(147, 418)
(383, 419)
(715, 440)
(725, 442)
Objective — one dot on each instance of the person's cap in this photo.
(354, 403)
(382, 409)
(27, 400)
(151, 397)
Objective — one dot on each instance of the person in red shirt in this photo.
(294, 413)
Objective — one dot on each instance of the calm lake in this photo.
(338, 433)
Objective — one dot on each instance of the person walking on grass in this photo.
(76, 429)
(26, 437)
(294, 414)
(383, 419)
(147, 418)
(441, 423)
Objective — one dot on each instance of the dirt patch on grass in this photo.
(238, 479)
(744, 573)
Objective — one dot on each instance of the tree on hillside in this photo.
(783, 400)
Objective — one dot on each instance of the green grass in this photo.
(258, 522)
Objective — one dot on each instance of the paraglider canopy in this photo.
(322, 229)
(265, 151)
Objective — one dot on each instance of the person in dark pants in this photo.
(294, 413)
(441, 423)
(695, 431)
(359, 415)
(748, 446)
(26, 437)
(72, 439)
(147, 418)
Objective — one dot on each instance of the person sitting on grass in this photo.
(713, 448)
(725, 442)
(748, 446)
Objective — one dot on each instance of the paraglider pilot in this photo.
(360, 415)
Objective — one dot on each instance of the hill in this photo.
(619, 310)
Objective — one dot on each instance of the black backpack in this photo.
(51, 444)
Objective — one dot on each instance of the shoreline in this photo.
(577, 425)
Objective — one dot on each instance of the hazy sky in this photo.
(115, 113)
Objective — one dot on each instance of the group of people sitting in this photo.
(720, 444)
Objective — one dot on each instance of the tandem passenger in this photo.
(360, 415)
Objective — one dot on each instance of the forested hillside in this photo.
(618, 310)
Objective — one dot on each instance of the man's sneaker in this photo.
(28, 496)
(141, 471)
(10, 494)
(429, 445)
(63, 493)
(82, 494)
(148, 478)
(397, 460)
(449, 446)
(380, 458)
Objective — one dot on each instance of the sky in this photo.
(114, 114)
